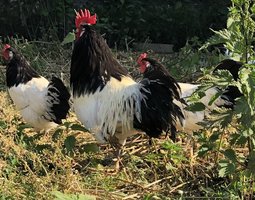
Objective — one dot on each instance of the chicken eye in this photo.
(10, 55)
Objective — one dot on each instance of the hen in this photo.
(192, 119)
(42, 103)
(108, 101)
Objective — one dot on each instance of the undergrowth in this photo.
(68, 164)
(36, 165)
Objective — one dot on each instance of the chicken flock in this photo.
(106, 99)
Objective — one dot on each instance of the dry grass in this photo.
(32, 165)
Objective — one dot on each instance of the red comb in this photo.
(6, 46)
(142, 56)
(84, 16)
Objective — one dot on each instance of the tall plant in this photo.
(238, 147)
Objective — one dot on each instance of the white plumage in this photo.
(42, 103)
(30, 100)
(192, 119)
(107, 100)
(102, 112)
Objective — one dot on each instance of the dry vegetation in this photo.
(35, 165)
(32, 165)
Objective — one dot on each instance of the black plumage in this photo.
(60, 95)
(232, 92)
(19, 70)
(95, 71)
(92, 64)
(158, 110)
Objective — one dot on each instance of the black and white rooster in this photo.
(42, 103)
(192, 119)
(108, 101)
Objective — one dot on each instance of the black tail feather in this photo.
(231, 65)
(58, 99)
(232, 92)
(158, 111)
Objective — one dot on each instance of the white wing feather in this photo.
(30, 100)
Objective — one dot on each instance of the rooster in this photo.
(42, 103)
(108, 101)
(192, 119)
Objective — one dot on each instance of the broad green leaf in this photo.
(91, 147)
(226, 168)
(70, 37)
(251, 162)
(230, 154)
(40, 147)
(197, 106)
(21, 127)
(230, 21)
(214, 97)
(204, 149)
(241, 140)
(214, 137)
(70, 143)
(78, 127)
(3, 125)
(56, 135)
(227, 118)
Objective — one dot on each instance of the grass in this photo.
(33, 165)
(68, 164)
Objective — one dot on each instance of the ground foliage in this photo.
(239, 147)
(67, 163)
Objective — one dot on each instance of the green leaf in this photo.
(197, 106)
(230, 21)
(78, 127)
(241, 140)
(251, 162)
(21, 127)
(40, 147)
(214, 137)
(230, 154)
(61, 196)
(70, 37)
(57, 134)
(3, 125)
(226, 168)
(214, 97)
(248, 132)
(204, 149)
(91, 147)
(70, 143)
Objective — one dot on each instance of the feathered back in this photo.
(92, 64)
(158, 110)
(156, 71)
(19, 70)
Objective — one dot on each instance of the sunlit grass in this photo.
(33, 165)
